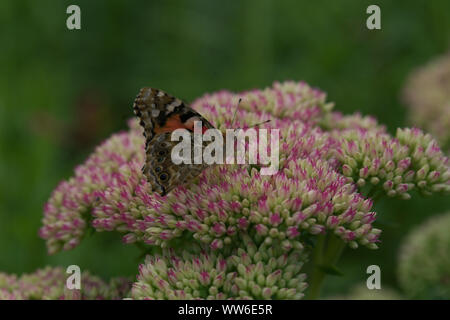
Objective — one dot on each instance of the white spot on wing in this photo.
(173, 105)
(146, 94)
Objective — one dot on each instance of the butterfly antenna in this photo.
(235, 112)
(258, 124)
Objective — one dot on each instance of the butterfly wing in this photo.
(159, 169)
(160, 114)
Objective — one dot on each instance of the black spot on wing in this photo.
(187, 115)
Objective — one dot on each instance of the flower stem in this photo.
(317, 276)
(334, 250)
(327, 252)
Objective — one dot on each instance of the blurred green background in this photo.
(62, 92)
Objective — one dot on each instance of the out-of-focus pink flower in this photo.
(427, 96)
(50, 284)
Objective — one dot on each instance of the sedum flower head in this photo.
(306, 197)
(427, 95)
(336, 121)
(248, 272)
(50, 284)
(68, 212)
(288, 100)
(410, 161)
(424, 260)
(8, 290)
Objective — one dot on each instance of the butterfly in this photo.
(160, 114)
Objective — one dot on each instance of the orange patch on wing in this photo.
(173, 123)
